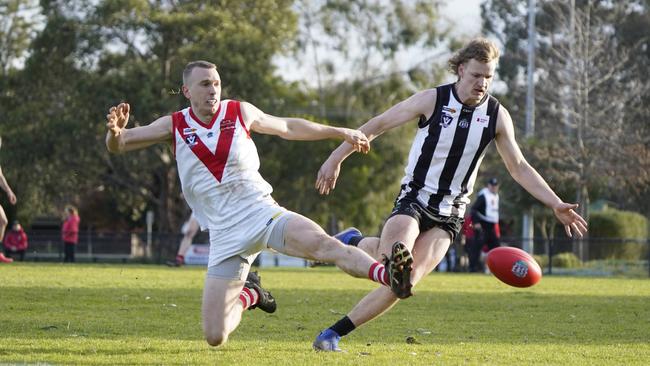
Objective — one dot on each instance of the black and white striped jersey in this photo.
(447, 151)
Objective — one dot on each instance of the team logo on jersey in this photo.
(463, 123)
(445, 119)
(210, 134)
(227, 124)
(191, 140)
(189, 130)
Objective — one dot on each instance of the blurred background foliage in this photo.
(64, 63)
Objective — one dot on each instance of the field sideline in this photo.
(141, 315)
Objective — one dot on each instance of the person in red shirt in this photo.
(70, 233)
(3, 217)
(15, 242)
(468, 234)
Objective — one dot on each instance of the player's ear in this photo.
(186, 91)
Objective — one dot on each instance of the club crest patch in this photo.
(520, 269)
(463, 123)
(445, 119)
(191, 140)
(227, 124)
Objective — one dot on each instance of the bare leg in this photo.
(305, 239)
(430, 247)
(221, 309)
(3, 223)
(370, 245)
(186, 242)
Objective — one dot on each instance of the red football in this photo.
(513, 266)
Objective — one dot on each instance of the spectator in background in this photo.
(70, 233)
(3, 218)
(15, 242)
(467, 241)
(189, 230)
(485, 215)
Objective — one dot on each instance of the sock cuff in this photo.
(344, 326)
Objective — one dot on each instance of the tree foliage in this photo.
(590, 86)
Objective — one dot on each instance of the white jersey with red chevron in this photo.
(218, 166)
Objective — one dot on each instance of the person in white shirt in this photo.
(485, 216)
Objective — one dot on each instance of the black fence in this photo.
(46, 245)
(591, 256)
(588, 256)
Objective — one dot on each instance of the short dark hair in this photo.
(194, 64)
(480, 49)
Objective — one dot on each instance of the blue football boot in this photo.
(327, 341)
(347, 234)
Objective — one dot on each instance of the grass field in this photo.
(136, 315)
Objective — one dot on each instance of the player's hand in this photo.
(570, 219)
(327, 176)
(12, 197)
(117, 118)
(357, 139)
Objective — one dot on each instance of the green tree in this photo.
(362, 39)
(156, 39)
(589, 91)
(50, 126)
(18, 23)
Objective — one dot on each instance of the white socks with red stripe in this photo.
(378, 273)
(249, 297)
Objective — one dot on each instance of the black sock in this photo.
(355, 240)
(343, 326)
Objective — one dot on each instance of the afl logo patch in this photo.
(520, 269)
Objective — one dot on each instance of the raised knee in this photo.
(216, 339)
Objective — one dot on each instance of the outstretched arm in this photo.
(530, 179)
(5, 186)
(419, 104)
(121, 139)
(300, 129)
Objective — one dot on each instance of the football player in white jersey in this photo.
(429, 230)
(218, 167)
(3, 217)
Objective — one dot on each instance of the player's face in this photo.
(474, 79)
(203, 89)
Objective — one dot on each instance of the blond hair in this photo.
(480, 49)
(194, 64)
(71, 210)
